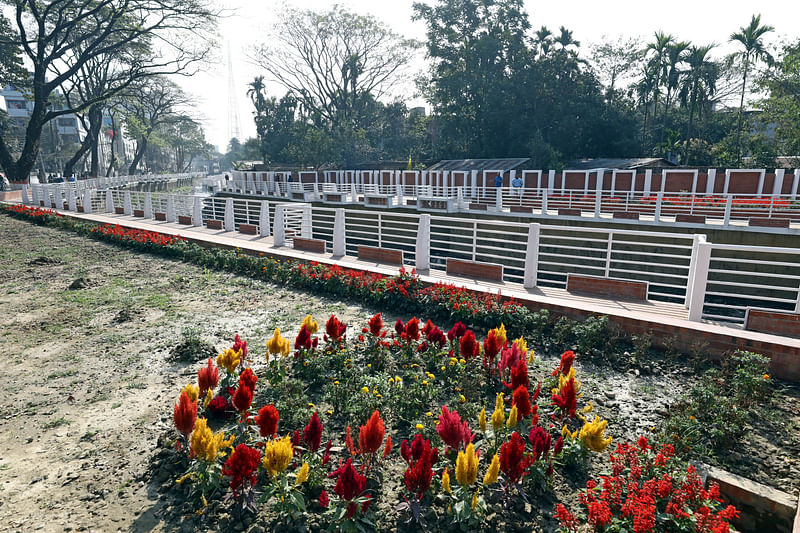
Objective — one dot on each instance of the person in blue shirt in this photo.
(498, 180)
(517, 184)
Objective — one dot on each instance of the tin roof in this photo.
(479, 164)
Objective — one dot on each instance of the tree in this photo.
(782, 104)
(59, 37)
(330, 61)
(751, 39)
(699, 84)
(12, 71)
(612, 60)
(186, 139)
(672, 75)
(656, 69)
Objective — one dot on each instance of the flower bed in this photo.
(311, 434)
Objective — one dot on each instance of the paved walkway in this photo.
(660, 319)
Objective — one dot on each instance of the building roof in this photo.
(479, 164)
(626, 163)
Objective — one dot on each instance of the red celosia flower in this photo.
(303, 339)
(399, 328)
(370, 436)
(219, 407)
(567, 358)
(242, 398)
(419, 448)
(420, 458)
(239, 344)
(513, 461)
(521, 399)
(540, 442)
(248, 379)
(412, 329)
(323, 499)
(351, 510)
(519, 376)
(376, 325)
(296, 438)
(559, 445)
(242, 466)
(267, 420)
(388, 448)
(348, 442)
(566, 400)
(349, 483)
(184, 414)
(326, 457)
(428, 327)
(510, 358)
(452, 430)
(468, 346)
(491, 347)
(334, 328)
(457, 331)
(207, 377)
(435, 335)
(312, 434)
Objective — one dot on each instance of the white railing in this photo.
(714, 281)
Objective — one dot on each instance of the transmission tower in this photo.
(233, 106)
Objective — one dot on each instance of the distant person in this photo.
(498, 180)
(517, 184)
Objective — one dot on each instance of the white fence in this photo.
(713, 281)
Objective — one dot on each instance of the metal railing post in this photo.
(532, 256)
(700, 281)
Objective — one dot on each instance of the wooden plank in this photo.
(627, 215)
(693, 219)
(138, 213)
(521, 209)
(776, 322)
(119, 210)
(473, 269)
(309, 245)
(380, 255)
(769, 222)
(568, 212)
(477, 207)
(213, 224)
(185, 220)
(618, 288)
(160, 216)
(249, 229)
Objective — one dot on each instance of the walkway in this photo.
(661, 320)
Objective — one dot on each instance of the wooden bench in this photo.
(160, 216)
(411, 202)
(249, 229)
(568, 212)
(478, 207)
(627, 215)
(80, 209)
(382, 201)
(693, 219)
(119, 210)
(521, 209)
(618, 288)
(472, 269)
(769, 222)
(298, 196)
(380, 255)
(776, 322)
(186, 220)
(333, 197)
(309, 245)
(138, 213)
(213, 224)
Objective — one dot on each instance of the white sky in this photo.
(699, 21)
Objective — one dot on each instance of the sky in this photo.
(249, 22)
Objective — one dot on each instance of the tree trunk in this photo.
(113, 158)
(739, 122)
(689, 127)
(141, 146)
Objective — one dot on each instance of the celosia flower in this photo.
(192, 391)
(184, 414)
(205, 444)
(302, 475)
(208, 398)
(399, 327)
(446, 482)
(388, 448)
(420, 458)
(278, 454)
(510, 358)
(559, 445)
(376, 325)
(566, 399)
(482, 420)
(370, 435)
(522, 401)
(239, 346)
(219, 407)
(567, 358)
(499, 414)
(267, 421)
(312, 433)
(207, 377)
(513, 461)
(242, 466)
(474, 503)
(412, 329)
(310, 324)
(591, 435)
(436, 335)
(229, 360)
(334, 328)
(492, 345)
(348, 442)
(492, 472)
(467, 466)
(457, 331)
(242, 398)
(513, 417)
(349, 483)
(452, 430)
(468, 346)
(540, 441)
(303, 339)
(519, 375)
(278, 345)
(323, 499)
(521, 344)
(248, 379)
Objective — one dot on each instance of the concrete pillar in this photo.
(339, 234)
(305, 222)
(109, 201)
(36, 192)
(59, 194)
(712, 176)
(727, 181)
(532, 256)
(796, 183)
(498, 201)
(148, 205)
(87, 201)
(777, 185)
(648, 181)
(551, 181)
(659, 203)
(699, 281)
(71, 202)
(197, 212)
(171, 209)
(474, 184)
(126, 203)
(544, 203)
(263, 219)
(279, 226)
(229, 223)
(726, 220)
(423, 247)
(460, 198)
(697, 239)
(25, 198)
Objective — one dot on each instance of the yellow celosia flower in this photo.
(521, 344)
(588, 408)
(591, 435)
(566, 433)
(474, 501)
(500, 333)
(513, 418)
(277, 344)
(192, 391)
(209, 397)
(229, 359)
(467, 466)
(302, 475)
(494, 470)
(562, 382)
(499, 415)
(482, 419)
(277, 455)
(205, 444)
(310, 324)
(446, 482)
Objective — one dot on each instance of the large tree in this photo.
(59, 38)
(697, 86)
(782, 104)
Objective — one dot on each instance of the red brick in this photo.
(474, 269)
(249, 229)
(568, 212)
(309, 245)
(160, 216)
(138, 213)
(214, 224)
(185, 220)
(380, 255)
(773, 322)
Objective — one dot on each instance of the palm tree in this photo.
(672, 73)
(544, 38)
(565, 39)
(750, 38)
(656, 65)
(699, 83)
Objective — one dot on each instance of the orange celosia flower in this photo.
(388, 448)
(184, 414)
(370, 436)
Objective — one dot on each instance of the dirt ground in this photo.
(89, 380)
